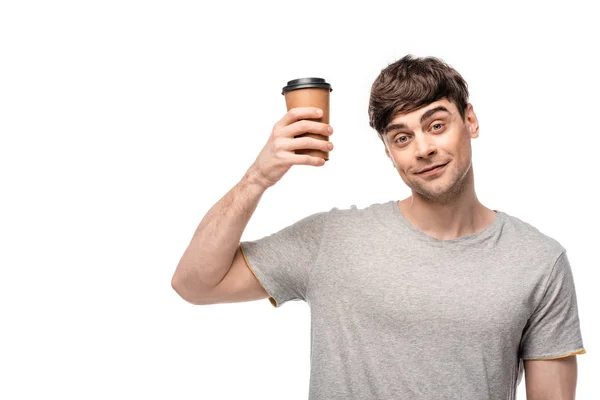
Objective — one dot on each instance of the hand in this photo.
(278, 156)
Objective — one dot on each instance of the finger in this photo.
(309, 143)
(298, 113)
(306, 126)
(305, 159)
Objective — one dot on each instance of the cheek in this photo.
(459, 145)
(465, 149)
(402, 167)
(450, 143)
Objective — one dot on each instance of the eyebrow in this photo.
(425, 115)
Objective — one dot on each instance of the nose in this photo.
(424, 146)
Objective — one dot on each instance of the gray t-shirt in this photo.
(399, 314)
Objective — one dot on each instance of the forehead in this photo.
(414, 116)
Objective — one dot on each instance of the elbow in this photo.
(181, 287)
(177, 285)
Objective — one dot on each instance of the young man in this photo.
(434, 296)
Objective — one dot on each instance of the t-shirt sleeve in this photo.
(282, 261)
(553, 329)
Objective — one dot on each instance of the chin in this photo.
(435, 192)
(433, 196)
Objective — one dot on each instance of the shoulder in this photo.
(527, 236)
(360, 217)
(354, 211)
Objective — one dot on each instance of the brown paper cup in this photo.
(309, 92)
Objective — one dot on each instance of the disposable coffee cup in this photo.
(309, 92)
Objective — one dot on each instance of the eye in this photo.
(440, 126)
(398, 139)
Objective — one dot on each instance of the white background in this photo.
(123, 122)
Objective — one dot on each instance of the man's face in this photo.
(433, 135)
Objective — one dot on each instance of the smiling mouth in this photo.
(432, 168)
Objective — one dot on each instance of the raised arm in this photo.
(211, 252)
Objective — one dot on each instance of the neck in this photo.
(454, 217)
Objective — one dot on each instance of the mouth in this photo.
(432, 170)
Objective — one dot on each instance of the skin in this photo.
(445, 206)
(551, 379)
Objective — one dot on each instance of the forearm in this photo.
(210, 253)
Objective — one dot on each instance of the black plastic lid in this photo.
(304, 83)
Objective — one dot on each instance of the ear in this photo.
(471, 121)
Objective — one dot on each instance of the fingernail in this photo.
(329, 129)
(319, 111)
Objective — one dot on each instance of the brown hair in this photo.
(411, 83)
